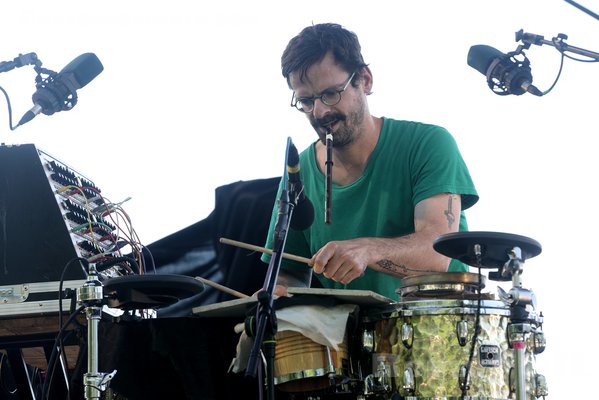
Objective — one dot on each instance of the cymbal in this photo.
(495, 247)
(133, 292)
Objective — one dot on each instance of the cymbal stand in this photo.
(518, 299)
(90, 295)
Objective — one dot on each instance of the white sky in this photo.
(191, 98)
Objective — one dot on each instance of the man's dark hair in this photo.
(314, 42)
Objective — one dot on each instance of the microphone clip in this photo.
(505, 75)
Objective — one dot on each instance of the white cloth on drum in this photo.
(323, 325)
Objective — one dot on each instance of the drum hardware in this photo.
(383, 374)
(507, 253)
(462, 332)
(539, 342)
(441, 285)
(129, 292)
(368, 340)
(409, 381)
(518, 299)
(381, 381)
(464, 378)
(90, 295)
(541, 389)
(407, 335)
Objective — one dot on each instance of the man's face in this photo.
(324, 81)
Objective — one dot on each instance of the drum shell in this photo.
(302, 365)
(435, 355)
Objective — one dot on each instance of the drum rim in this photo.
(308, 373)
(438, 307)
(444, 278)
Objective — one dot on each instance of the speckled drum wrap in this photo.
(436, 354)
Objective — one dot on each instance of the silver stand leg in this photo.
(521, 372)
(518, 298)
(517, 334)
(91, 296)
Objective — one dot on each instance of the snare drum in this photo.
(302, 365)
(426, 346)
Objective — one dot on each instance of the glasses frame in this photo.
(295, 101)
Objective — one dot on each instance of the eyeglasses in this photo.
(329, 97)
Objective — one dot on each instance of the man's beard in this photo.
(348, 130)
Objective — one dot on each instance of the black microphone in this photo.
(59, 93)
(303, 215)
(505, 74)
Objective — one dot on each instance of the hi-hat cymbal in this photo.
(495, 247)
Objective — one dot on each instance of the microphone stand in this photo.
(265, 317)
(557, 42)
(329, 177)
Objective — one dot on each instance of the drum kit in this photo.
(447, 338)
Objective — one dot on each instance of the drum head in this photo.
(442, 285)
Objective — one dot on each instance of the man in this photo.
(397, 185)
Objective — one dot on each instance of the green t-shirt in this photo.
(411, 162)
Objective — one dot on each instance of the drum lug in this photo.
(462, 332)
(383, 374)
(512, 380)
(539, 342)
(463, 382)
(407, 335)
(409, 382)
(381, 381)
(368, 341)
(541, 388)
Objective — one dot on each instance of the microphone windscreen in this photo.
(84, 68)
(293, 160)
(480, 57)
(303, 215)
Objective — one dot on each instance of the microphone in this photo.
(59, 93)
(505, 74)
(303, 215)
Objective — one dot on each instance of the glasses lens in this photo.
(331, 98)
(305, 105)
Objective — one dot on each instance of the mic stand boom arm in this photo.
(558, 42)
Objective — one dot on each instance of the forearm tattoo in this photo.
(449, 212)
(392, 267)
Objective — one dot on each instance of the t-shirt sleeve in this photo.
(438, 167)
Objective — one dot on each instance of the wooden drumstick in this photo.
(222, 288)
(265, 250)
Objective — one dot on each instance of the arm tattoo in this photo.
(391, 266)
(449, 212)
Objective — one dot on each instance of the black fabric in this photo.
(174, 358)
(178, 355)
(242, 213)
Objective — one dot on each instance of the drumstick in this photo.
(222, 288)
(265, 250)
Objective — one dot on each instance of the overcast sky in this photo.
(191, 98)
